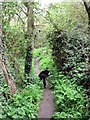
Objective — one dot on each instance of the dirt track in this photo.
(47, 107)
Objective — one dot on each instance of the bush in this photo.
(78, 56)
(57, 40)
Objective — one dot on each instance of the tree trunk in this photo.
(30, 28)
(3, 67)
(87, 7)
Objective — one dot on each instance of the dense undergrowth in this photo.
(70, 98)
(24, 104)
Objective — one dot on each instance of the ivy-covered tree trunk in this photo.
(29, 37)
(4, 68)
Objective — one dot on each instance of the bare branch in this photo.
(85, 4)
(20, 18)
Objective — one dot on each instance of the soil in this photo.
(47, 106)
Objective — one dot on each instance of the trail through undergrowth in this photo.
(47, 107)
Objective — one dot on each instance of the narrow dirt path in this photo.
(47, 106)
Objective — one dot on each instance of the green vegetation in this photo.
(59, 37)
(23, 104)
(70, 98)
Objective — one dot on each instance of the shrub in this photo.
(57, 39)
